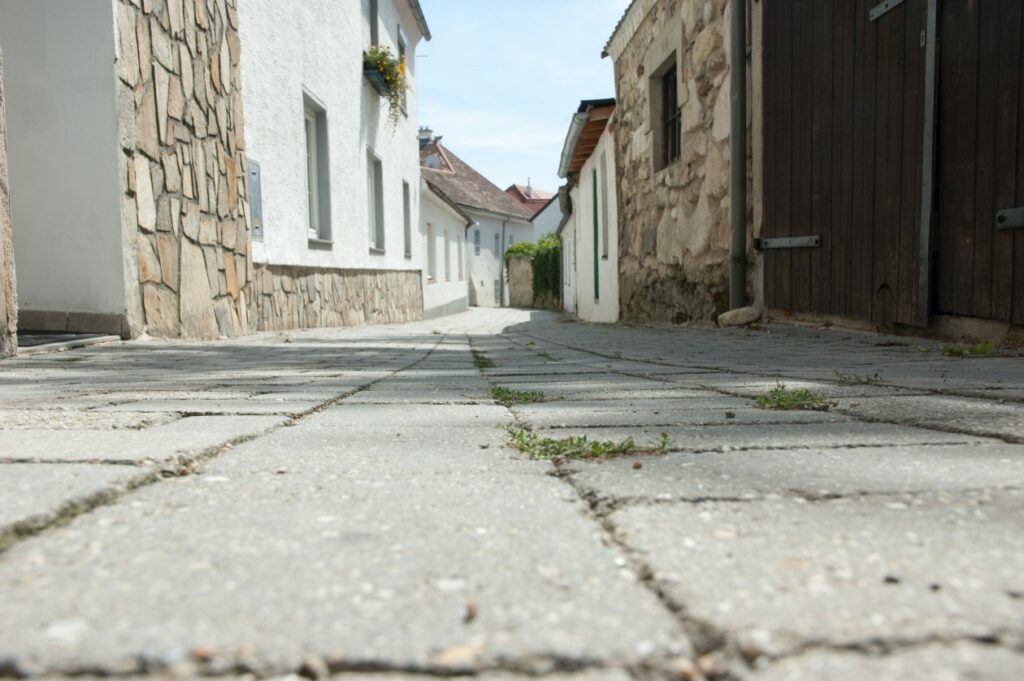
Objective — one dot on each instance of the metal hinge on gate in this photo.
(1011, 218)
(787, 242)
(881, 8)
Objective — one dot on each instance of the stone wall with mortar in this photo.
(187, 246)
(674, 223)
(285, 297)
(8, 300)
(520, 281)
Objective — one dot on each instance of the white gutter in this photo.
(575, 130)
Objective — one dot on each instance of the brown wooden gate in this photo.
(979, 268)
(869, 105)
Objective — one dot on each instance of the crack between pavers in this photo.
(181, 466)
(1009, 439)
(538, 666)
(884, 646)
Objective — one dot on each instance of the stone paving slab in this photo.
(846, 572)
(401, 416)
(302, 569)
(813, 473)
(960, 662)
(774, 435)
(249, 406)
(35, 494)
(73, 419)
(187, 436)
(943, 411)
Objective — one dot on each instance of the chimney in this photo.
(426, 136)
(529, 188)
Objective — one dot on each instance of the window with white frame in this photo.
(318, 204)
(402, 57)
(497, 245)
(375, 196)
(431, 255)
(407, 217)
(476, 242)
(462, 257)
(447, 258)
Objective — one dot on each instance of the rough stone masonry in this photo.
(8, 302)
(674, 222)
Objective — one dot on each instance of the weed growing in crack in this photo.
(482, 361)
(961, 350)
(579, 446)
(782, 398)
(530, 344)
(508, 397)
(854, 379)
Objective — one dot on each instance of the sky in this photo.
(501, 80)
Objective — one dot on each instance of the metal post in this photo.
(738, 154)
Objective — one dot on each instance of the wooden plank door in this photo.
(844, 136)
(979, 268)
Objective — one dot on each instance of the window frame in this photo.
(407, 217)
(431, 254)
(316, 140)
(375, 202)
(666, 114)
(476, 241)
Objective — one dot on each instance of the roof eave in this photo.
(421, 19)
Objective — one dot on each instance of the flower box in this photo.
(376, 79)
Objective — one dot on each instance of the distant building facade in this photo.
(498, 220)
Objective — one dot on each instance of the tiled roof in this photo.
(465, 186)
(622, 20)
(531, 193)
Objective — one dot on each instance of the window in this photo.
(462, 257)
(603, 173)
(447, 258)
(666, 114)
(431, 255)
(407, 217)
(318, 204)
(497, 246)
(402, 55)
(374, 16)
(476, 242)
(375, 187)
(497, 291)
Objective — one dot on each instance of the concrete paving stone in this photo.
(776, 435)
(377, 417)
(72, 419)
(184, 437)
(964, 661)
(589, 675)
(33, 495)
(944, 411)
(666, 417)
(845, 572)
(248, 407)
(653, 405)
(753, 387)
(595, 380)
(815, 473)
(301, 570)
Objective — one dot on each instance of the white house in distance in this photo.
(498, 220)
(590, 233)
(334, 186)
(443, 231)
(548, 219)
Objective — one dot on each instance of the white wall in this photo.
(62, 151)
(292, 47)
(547, 221)
(603, 307)
(486, 268)
(447, 292)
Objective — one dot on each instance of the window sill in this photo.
(377, 251)
(321, 244)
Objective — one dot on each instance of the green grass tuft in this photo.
(961, 350)
(782, 398)
(579, 447)
(509, 397)
(482, 361)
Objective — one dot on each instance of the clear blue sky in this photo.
(500, 80)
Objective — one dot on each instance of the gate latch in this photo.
(787, 242)
(1011, 218)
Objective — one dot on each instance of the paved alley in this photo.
(349, 503)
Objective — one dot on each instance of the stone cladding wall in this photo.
(8, 294)
(183, 168)
(303, 297)
(674, 223)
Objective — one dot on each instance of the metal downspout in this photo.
(738, 154)
(501, 265)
